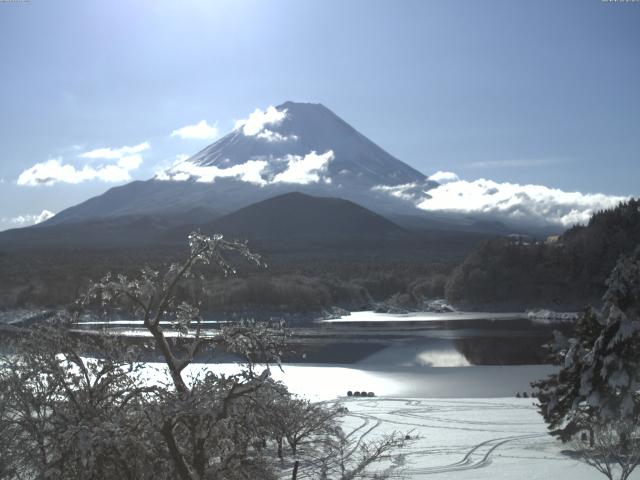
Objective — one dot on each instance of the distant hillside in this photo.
(300, 215)
(299, 223)
(295, 221)
(566, 273)
(322, 252)
(289, 224)
(121, 232)
(434, 221)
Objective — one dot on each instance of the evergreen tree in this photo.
(599, 374)
(597, 385)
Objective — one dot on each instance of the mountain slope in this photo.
(296, 222)
(293, 147)
(299, 215)
(292, 220)
(121, 232)
(305, 128)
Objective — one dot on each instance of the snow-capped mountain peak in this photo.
(302, 147)
(295, 143)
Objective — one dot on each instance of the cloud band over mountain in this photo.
(296, 169)
(515, 202)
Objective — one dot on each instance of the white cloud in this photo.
(411, 192)
(163, 167)
(115, 153)
(247, 172)
(130, 162)
(271, 136)
(305, 169)
(258, 121)
(28, 219)
(55, 171)
(528, 203)
(299, 169)
(199, 131)
(444, 177)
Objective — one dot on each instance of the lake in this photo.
(410, 355)
(453, 354)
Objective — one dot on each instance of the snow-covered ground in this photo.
(320, 382)
(467, 422)
(463, 426)
(468, 439)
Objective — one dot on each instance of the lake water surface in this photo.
(410, 355)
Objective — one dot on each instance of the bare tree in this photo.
(347, 458)
(613, 448)
(64, 415)
(76, 406)
(195, 417)
(300, 420)
(153, 297)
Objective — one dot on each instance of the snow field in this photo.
(468, 439)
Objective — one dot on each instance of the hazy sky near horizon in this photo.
(530, 92)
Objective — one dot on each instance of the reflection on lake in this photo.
(418, 355)
(452, 339)
(429, 339)
(421, 317)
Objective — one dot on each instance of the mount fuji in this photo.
(300, 147)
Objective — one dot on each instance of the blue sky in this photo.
(540, 92)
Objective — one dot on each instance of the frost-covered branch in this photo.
(153, 297)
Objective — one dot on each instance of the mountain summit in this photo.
(301, 147)
(297, 143)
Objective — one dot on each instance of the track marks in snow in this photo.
(430, 418)
(361, 438)
(479, 456)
